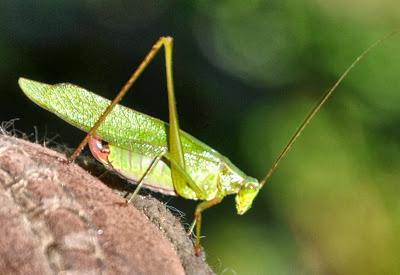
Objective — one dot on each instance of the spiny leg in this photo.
(197, 219)
(140, 182)
(157, 46)
(175, 155)
(180, 178)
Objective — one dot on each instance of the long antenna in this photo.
(318, 106)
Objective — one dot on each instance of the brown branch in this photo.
(57, 217)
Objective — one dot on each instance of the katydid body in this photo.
(152, 152)
(134, 139)
(216, 175)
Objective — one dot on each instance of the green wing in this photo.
(123, 127)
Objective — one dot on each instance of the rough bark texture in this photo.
(57, 218)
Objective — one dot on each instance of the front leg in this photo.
(197, 217)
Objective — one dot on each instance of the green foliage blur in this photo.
(246, 73)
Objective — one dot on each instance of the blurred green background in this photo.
(246, 72)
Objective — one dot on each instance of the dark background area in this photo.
(246, 73)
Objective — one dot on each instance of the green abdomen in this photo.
(132, 166)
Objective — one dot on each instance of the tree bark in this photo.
(57, 218)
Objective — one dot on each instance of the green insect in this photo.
(153, 153)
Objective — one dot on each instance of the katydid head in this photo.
(247, 193)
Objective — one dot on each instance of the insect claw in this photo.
(197, 251)
(124, 203)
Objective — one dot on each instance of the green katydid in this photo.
(153, 153)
